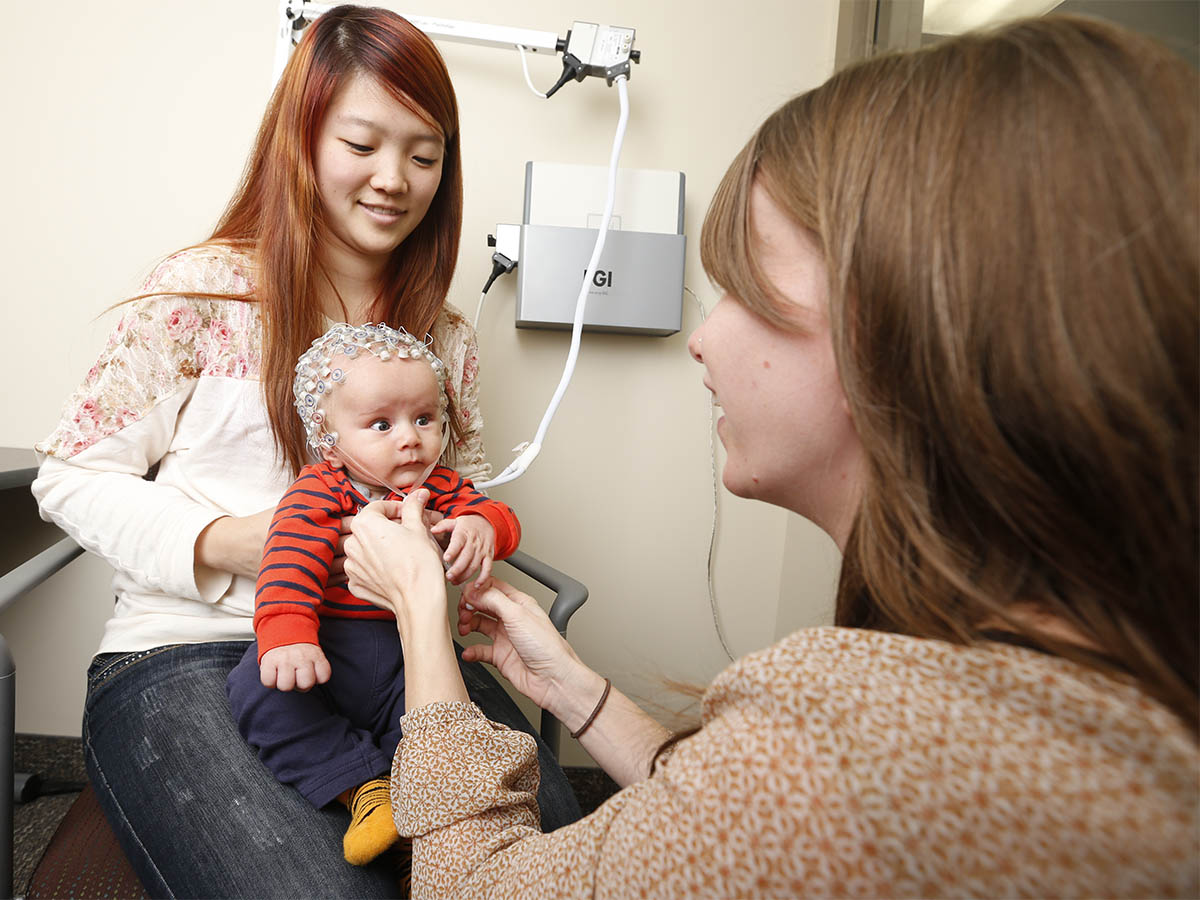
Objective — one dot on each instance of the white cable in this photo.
(525, 67)
(478, 310)
(712, 535)
(529, 452)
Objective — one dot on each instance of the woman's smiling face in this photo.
(786, 429)
(378, 166)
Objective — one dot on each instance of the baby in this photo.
(374, 407)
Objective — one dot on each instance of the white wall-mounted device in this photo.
(603, 51)
(638, 284)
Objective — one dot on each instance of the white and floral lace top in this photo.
(836, 763)
(177, 386)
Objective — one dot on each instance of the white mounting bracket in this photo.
(600, 48)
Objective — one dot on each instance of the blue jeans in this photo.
(196, 812)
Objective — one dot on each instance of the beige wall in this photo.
(127, 129)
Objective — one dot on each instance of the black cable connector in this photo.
(501, 265)
(572, 69)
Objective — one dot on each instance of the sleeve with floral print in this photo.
(835, 763)
(482, 839)
(119, 423)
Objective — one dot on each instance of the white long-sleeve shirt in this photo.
(177, 385)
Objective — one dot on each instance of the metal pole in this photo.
(8, 703)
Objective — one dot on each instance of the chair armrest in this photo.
(35, 570)
(569, 595)
(13, 585)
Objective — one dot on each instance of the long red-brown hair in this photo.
(276, 212)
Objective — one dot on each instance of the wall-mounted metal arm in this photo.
(600, 50)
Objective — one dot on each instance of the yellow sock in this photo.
(372, 829)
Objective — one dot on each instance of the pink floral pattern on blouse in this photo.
(164, 342)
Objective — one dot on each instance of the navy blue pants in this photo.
(339, 734)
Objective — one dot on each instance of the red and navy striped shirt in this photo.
(293, 590)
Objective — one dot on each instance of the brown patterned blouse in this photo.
(836, 763)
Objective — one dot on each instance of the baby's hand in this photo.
(472, 547)
(294, 666)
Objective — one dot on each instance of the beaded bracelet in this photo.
(595, 712)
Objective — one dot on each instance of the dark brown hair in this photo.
(1009, 221)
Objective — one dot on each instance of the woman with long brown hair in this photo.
(349, 210)
(959, 332)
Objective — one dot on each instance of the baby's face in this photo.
(387, 420)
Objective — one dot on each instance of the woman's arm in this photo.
(397, 566)
(482, 837)
(144, 529)
(121, 421)
(234, 544)
(530, 653)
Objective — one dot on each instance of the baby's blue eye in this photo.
(380, 425)
(423, 420)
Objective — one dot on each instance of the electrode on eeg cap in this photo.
(316, 373)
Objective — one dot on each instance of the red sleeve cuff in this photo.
(503, 520)
(285, 628)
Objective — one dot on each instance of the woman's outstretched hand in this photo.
(393, 561)
(529, 652)
(525, 647)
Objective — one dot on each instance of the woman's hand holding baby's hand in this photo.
(294, 666)
(393, 561)
(525, 647)
(337, 569)
(472, 547)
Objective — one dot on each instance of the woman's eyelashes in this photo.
(364, 149)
